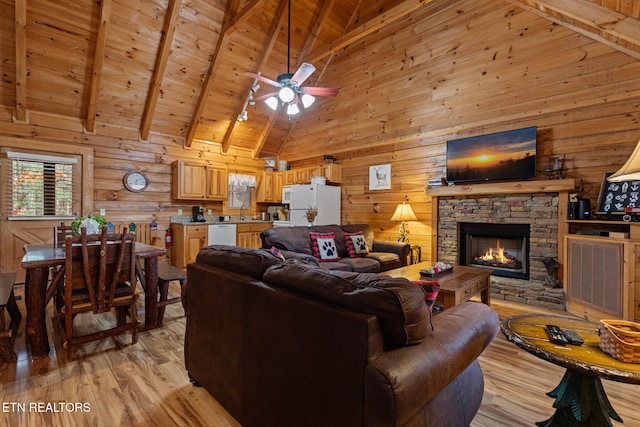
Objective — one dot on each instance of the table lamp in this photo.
(403, 213)
(630, 170)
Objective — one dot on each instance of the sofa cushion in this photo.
(250, 262)
(323, 246)
(356, 244)
(361, 265)
(398, 304)
(366, 230)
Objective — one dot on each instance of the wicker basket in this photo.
(621, 339)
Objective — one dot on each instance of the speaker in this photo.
(573, 210)
(584, 209)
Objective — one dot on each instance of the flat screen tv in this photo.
(498, 156)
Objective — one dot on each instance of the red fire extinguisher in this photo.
(167, 238)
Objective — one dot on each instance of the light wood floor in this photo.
(146, 384)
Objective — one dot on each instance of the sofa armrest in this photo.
(401, 381)
(399, 248)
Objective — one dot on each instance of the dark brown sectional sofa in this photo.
(294, 242)
(285, 343)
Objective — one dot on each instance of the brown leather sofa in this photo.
(294, 242)
(289, 344)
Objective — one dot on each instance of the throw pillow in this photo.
(323, 246)
(431, 290)
(356, 244)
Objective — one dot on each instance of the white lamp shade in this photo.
(404, 213)
(272, 103)
(308, 100)
(286, 94)
(630, 170)
(292, 109)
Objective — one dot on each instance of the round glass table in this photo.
(580, 398)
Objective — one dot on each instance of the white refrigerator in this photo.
(324, 197)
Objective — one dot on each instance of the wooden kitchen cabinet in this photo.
(189, 181)
(265, 188)
(303, 175)
(331, 171)
(270, 187)
(217, 183)
(187, 241)
(195, 181)
(248, 235)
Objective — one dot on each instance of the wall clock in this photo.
(135, 181)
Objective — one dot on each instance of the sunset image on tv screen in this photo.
(504, 155)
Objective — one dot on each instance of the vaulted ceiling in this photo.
(176, 67)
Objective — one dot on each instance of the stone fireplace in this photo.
(527, 227)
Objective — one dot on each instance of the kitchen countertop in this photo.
(186, 220)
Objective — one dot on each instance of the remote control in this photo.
(556, 335)
(573, 337)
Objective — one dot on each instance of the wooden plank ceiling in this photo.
(175, 67)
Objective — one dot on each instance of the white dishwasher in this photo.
(221, 234)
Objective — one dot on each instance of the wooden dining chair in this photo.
(60, 232)
(99, 276)
(56, 289)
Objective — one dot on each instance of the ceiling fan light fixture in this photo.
(286, 94)
(272, 103)
(292, 109)
(308, 100)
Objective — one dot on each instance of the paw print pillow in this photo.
(323, 246)
(356, 244)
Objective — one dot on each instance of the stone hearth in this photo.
(539, 210)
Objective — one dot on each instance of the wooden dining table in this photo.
(38, 261)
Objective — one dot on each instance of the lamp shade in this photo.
(630, 170)
(404, 213)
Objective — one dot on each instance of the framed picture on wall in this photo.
(380, 177)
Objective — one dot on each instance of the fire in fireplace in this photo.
(501, 247)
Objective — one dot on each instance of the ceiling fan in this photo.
(289, 92)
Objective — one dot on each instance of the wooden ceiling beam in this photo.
(265, 134)
(98, 58)
(607, 26)
(159, 68)
(231, 22)
(375, 24)
(243, 16)
(21, 60)
(272, 37)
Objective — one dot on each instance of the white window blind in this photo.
(39, 185)
(239, 195)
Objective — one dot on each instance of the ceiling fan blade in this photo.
(263, 79)
(320, 91)
(263, 97)
(302, 74)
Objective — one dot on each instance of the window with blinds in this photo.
(40, 185)
(239, 194)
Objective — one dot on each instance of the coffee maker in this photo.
(198, 214)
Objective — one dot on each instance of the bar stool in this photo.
(8, 299)
(166, 274)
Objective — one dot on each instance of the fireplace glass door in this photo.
(503, 248)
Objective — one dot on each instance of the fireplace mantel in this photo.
(540, 186)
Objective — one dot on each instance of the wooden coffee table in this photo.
(456, 286)
(580, 398)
